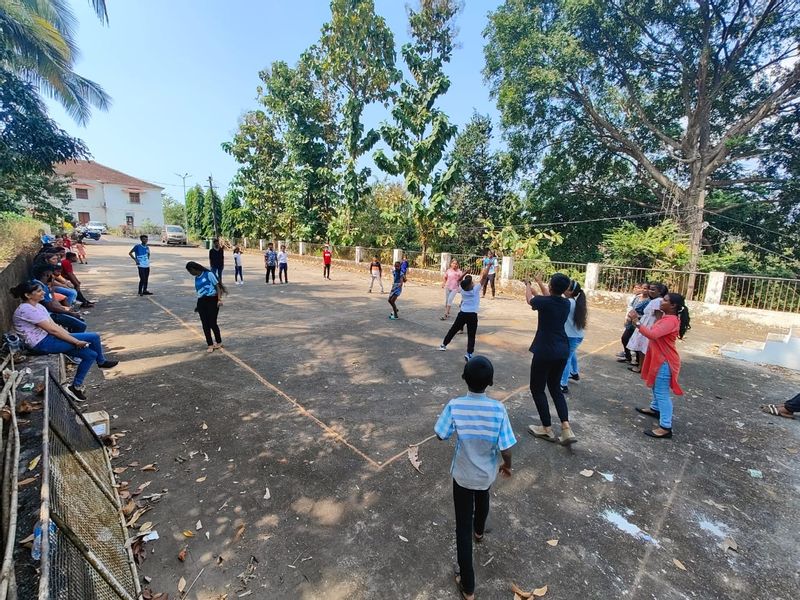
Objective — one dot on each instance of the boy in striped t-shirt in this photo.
(484, 437)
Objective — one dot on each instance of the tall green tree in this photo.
(174, 212)
(37, 42)
(697, 95)
(421, 131)
(195, 209)
(231, 213)
(212, 213)
(357, 53)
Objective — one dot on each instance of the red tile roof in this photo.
(84, 169)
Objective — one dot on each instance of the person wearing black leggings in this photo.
(209, 301)
(550, 350)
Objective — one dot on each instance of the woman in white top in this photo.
(283, 265)
(238, 276)
(574, 327)
(451, 285)
(638, 343)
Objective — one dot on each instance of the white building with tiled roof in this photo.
(104, 194)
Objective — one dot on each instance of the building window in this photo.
(81, 194)
(134, 197)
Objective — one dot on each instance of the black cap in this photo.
(478, 373)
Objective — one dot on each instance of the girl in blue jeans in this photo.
(576, 323)
(34, 325)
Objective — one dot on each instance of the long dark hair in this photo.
(581, 309)
(559, 283)
(196, 266)
(661, 288)
(24, 288)
(682, 312)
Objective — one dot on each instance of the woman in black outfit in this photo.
(550, 350)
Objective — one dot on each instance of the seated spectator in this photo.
(69, 274)
(53, 258)
(785, 410)
(62, 315)
(33, 324)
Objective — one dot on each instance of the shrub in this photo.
(17, 232)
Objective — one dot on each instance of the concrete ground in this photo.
(318, 395)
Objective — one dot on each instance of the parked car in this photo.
(173, 234)
(97, 226)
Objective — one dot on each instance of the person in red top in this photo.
(69, 274)
(326, 261)
(662, 364)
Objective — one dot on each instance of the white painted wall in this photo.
(110, 203)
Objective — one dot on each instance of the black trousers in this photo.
(237, 273)
(486, 282)
(326, 271)
(144, 276)
(283, 272)
(81, 298)
(793, 405)
(471, 321)
(472, 509)
(547, 373)
(626, 337)
(217, 271)
(270, 269)
(208, 310)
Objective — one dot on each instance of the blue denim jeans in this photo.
(572, 361)
(68, 322)
(662, 401)
(91, 354)
(217, 271)
(71, 294)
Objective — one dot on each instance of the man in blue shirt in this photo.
(270, 262)
(484, 438)
(140, 254)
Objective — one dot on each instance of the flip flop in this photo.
(634, 370)
(460, 587)
(648, 412)
(539, 432)
(775, 410)
(664, 436)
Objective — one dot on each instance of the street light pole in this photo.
(185, 212)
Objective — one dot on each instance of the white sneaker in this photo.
(442, 347)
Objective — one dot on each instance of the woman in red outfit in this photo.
(662, 364)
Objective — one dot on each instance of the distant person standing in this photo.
(574, 328)
(375, 272)
(216, 258)
(451, 284)
(404, 265)
(283, 265)
(490, 266)
(270, 262)
(238, 275)
(327, 259)
(140, 254)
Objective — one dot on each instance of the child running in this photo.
(484, 436)
(238, 276)
(576, 323)
(283, 265)
(398, 279)
(662, 363)
(375, 272)
(468, 315)
(550, 350)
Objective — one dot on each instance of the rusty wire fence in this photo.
(86, 552)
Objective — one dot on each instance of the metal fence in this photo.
(528, 269)
(429, 261)
(384, 255)
(469, 262)
(623, 279)
(768, 293)
(85, 554)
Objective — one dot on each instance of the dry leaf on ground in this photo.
(729, 544)
(129, 508)
(150, 467)
(201, 479)
(518, 591)
(182, 554)
(678, 564)
(27, 481)
(239, 533)
(539, 592)
(413, 457)
(145, 527)
(34, 462)
(141, 488)
(587, 472)
(402, 539)
(188, 533)
(552, 543)
(120, 470)
(181, 585)
(204, 426)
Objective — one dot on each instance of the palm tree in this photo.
(37, 42)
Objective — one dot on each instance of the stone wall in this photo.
(15, 272)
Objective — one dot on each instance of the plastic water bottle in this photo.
(36, 552)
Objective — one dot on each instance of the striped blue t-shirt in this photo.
(483, 431)
(206, 284)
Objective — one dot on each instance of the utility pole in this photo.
(185, 212)
(213, 206)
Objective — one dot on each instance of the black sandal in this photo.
(461, 587)
(653, 434)
(635, 369)
(648, 412)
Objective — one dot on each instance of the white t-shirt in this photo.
(569, 327)
(471, 300)
(237, 259)
(283, 258)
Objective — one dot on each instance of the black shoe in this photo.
(575, 377)
(78, 392)
(665, 436)
(87, 305)
(109, 364)
(146, 293)
(564, 389)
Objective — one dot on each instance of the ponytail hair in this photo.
(23, 289)
(682, 312)
(581, 308)
(196, 266)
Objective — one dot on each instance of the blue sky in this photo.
(182, 72)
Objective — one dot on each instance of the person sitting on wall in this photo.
(785, 410)
(69, 274)
(60, 314)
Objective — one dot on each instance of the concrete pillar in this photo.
(445, 262)
(592, 276)
(302, 248)
(245, 242)
(716, 281)
(397, 255)
(261, 245)
(507, 269)
(359, 254)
